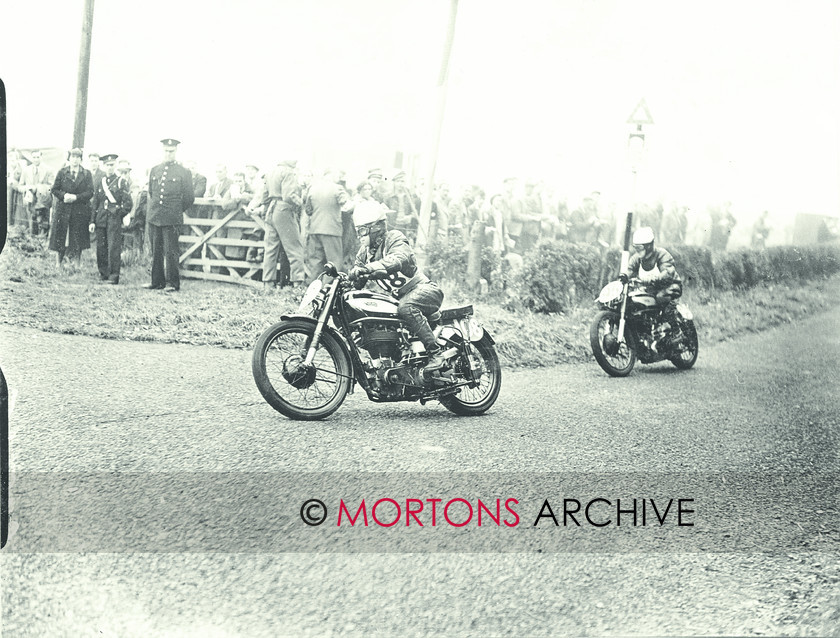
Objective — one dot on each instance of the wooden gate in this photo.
(212, 245)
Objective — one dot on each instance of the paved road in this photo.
(766, 404)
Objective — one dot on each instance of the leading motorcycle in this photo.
(306, 364)
(631, 325)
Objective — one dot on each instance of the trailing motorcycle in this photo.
(307, 364)
(631, 325)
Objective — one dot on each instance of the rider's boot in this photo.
(436, 361)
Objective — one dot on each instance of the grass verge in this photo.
(35, 293)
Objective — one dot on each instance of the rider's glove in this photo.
(359, 272)
(623, 278)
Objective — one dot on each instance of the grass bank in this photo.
(36, 294)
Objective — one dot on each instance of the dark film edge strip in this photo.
(4, 390)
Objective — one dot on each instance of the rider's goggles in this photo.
(364, 231)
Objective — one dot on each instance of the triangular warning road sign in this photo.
(641, 114)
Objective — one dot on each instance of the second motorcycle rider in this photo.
(387, 257)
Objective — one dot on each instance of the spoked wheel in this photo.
(689, 348)
(297, 390)
(477, 400)
(617, 359)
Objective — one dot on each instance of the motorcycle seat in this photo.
(456, 313)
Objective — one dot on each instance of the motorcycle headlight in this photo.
(309, 296)
(610, 292)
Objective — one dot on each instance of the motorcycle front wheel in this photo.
(620, 363)
(690, 348)
(475, 401)
(298, 391)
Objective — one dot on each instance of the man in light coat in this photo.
(35, 183)
(323, 204)
(282, 202)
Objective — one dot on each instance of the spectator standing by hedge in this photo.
(199, 180)
(136, 228)
(323, 203)
(363, 200)
(96, 172)
(523, 226)
(375, 177)
(760, 232)
(237, 198)
(111, 203)
(95, 168)
(35, 183)
(723, 221)
(282, 228)
(405, 217)
(14, 197)
(170, 194)
(73, 190)
(255, 185)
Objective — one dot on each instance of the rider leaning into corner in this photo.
(654, 267)
(385, 255)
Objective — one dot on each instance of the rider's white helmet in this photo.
(368, 212)
(643, 235)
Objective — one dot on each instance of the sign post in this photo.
(636, 142)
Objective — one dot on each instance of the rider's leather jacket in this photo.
(393, 264)
(656, 269)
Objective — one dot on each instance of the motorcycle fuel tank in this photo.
(643, 298)
(364, 303)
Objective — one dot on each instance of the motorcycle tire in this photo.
(475, 401)
(606, 322)
(286, 385)
(689, 356)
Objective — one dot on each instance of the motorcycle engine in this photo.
(380, 339)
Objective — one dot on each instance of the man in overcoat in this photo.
(324, 242)
(73, 190)
(170, 194)
(111, 203)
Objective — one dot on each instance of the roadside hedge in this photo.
(556, 276)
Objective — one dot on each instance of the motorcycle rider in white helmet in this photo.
(386, 256)
(654, 267)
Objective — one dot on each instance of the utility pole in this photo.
(426, 205)
(82, 82)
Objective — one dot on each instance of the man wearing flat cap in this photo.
(170, 194)
(73, 190)
(111, 203)
(375, 177)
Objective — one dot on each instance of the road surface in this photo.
(760, 407)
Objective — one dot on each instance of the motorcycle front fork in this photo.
(319, 327)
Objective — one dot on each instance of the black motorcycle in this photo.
(306, 364)
(631, 324)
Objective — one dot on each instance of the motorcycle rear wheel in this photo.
(304, 393)
(688, 357)
(475, 401)
(620, 364)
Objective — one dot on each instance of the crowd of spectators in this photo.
(306, 220)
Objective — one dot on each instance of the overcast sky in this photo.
(745, 95)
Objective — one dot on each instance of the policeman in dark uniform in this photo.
(170, 194)
(111, 203)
